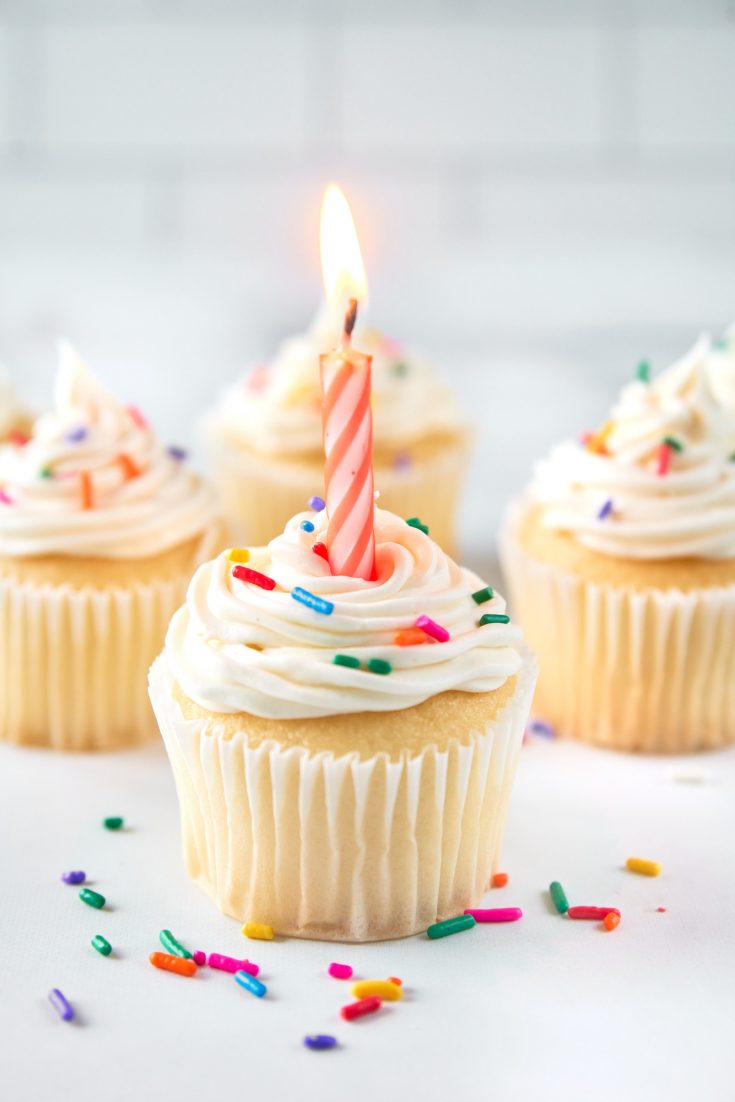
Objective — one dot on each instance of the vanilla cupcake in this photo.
(264, 439)
(101, 528)
(621, 565)
(341, 774)
(15, 420)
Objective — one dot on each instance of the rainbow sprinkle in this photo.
(317, 604)
(379, 665)
(672, 442)
(245, 574)
(643, 372)
(179, 454)
(347, 660)
(663, 459)
(493, 618)
(436, 631)
(306, 526)
(316, 503)
(5, 499)
(606, 509)
(482, 595)
(414, 522)
(76, 436)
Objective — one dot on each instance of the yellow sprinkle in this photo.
(384, 989)
(645, 868)
(239, 554)
(598, 440)
(258, 930)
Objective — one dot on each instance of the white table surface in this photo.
(545, 1008)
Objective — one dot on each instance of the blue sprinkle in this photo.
(320, 1041)
(178, 453)
(307, 526)
(316, 503)
(255, 987)
(539, 727)
(73, 877)
(76, 435)
(606, 509)
(318, 604)
(61, 1005)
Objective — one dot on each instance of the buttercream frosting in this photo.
(12, 412)
(142, 500)
(236, 647)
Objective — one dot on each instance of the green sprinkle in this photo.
(558, 897)
(732, 458)
(102, 945)
(401, 368)
(721, 344)
(169, 942)
(113, 822)
(483, 595)
(346, 660)
(45, 472)
(493, 618)
(643, 372)
(673, 443)
(379, 665)
(414, 522)
(450, 926)
(92, 899)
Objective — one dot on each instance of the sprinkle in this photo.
(450, 926)
(85, 487)
(321, 550)
(169, 942)
(410, 637)
(130, 468)
(500, 879)
(169, 963)
(319, 1041)
(611, 921)
(540, 727)
(401, 368)
(258, 930)
(306, 526)
(76, 435)
(318, 604)
(590, 913)
(73, 877)
(395, 979)
(379, 665)
(402, 461)
(179, 454)
(92, 899)
(316, 503)
(360, 1008)
(60, 1005)
(606, 509)
(645, 868)
(414, 522)
(596, 442)
(113, 822)
(661, 910)
(45, 472)
(495, 914)
(493, 618)
(558, 897)
(19, 439)
(384, 989)
(102, 945)
(643, 372)
(672, 442)
(199, 958)
(137, 417)
(245, 574)
(482, 595)
(5, 499)
(340, 971)
(664, 459)
(239, 554)
(732, 458)
(255, 987)
(348, 660)
(436, 631)
(231, 964)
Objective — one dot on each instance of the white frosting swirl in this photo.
(12, 412)
(277, 409)
(142, 504)
(235, 647)
(687, 511)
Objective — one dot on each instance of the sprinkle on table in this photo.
(245, 574)
(85, 490)
(558, 897)
(348, 660)
(317, 604)
(251, 984)
(102, 945)
(450, 926)
(239, 554)
(611, 921)
(113, 822)
(410, 637)
(177, 453)
(199, 958)
(61, 1005)
(171, 945)
(493, 618)
(340, 971)
(167, 962)
(258, 930)
(384, 989)
(485, 594)
(414, 522)
(379, 665)
(643, 372)
(320, 1041)
(92, 898)
(643, 867)
(495, 914)
(436, 631)
(316, 503)
(591, 914)
(360, 1008)
(231, 964)
(499, 880)
(77, 877)
(605, 509)
(307, 526)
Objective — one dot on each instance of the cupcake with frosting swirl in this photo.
(101, 527)
(343, 749)
(621, 564)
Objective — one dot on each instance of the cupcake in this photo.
(15, 420)
(341, 773)
(100, 530)
(620, 560)
(264, 439)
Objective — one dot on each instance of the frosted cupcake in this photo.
(15, 420)
(621, 565)
(341, 773)
(100, 529)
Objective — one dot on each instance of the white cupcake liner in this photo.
(650, 670)
(339, 848)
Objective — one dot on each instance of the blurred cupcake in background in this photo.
(264, 439)
(620, 560)
(101, 527)
(15, 419)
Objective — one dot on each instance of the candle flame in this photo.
(343, 271)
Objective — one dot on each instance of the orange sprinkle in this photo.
(394, 979)
(410, 637)
(85, 486)
(597, 440)
(500, 879)
(611, 921)
(169, 963)
(130, 468)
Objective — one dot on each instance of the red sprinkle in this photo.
(18, 438)
(137, 417)
(500, 879)
(395, 980)
(321, 550)
(664, 459)
(85, 487)
(592, 913)
(361, 1007)
(245, 574)
(661, 910)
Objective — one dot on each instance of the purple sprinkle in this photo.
(316, 503)
(178, 453)
(402, 461)
(539, 727)
(606, 509)
(76, 435)
(60, 1005)
(320, 1041)
(74, 877)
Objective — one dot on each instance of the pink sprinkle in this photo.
(436, 631)
(340, 971)
(229, 964)
(200, 958)
(137, 417)
(5, 499)
(664, 459)
(495, 914)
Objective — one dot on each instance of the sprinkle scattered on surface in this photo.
(384, 989)
(493, 618)
(414, 522)
(590, 914)
(485, 594)
(199, 958)
(77, 877)
(179, 454)
(5, 498)
(606, 509)
(85, 490)
(45, 472)
(542, 728)
(167, 962)
(495, 914)
(76, 436)
(239, 554)
(361, 1008)
(137, 417)
(348, 660)
(102, 945)
(113, 822)
(92, 898)
(251, 984)
(320, 549)
(379, 665)
(316, 604)
(171, 945)
(60, 1004)
(320, 1041)
(643, 867)
(129, 467)
(258, 930)
(663, 459)
(340, 971)
(558, 897)
(672, 442)
(643, 372)
(410, 637)
(436, 631)
(450, 926)
(316, 503)
(306, 526)
(231, 964)
(500, 879)
(611, 921)
(254, 577)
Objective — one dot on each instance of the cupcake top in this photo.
(94, 481)
(657, 481)
(13, 414)
(282, 638)
(276, 410)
